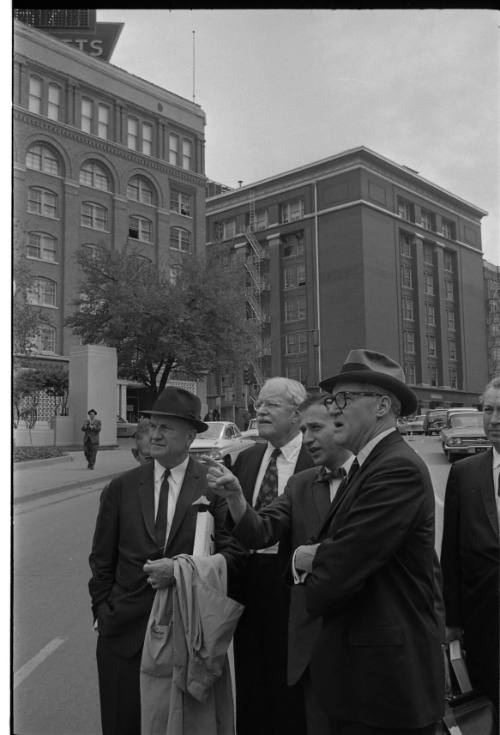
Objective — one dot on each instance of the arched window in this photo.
(42, 292)
(42, 201)
(140, 228)
(45, 341)
(180, 239)
(42, 158)
(94, 175)
(140, 190)
(41, 246)
(94, 215)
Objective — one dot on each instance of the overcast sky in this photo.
(284, 88)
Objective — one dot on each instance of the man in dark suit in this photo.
(146, 517)
(265, 705)
(91, 428)
(292, 519)
(377, 666)
(470, 553)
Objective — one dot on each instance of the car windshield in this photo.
(461, 420)
(214, 431)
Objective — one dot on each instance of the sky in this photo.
(284, 88)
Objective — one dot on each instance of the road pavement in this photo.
(55, 505)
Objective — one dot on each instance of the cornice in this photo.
(107, 147)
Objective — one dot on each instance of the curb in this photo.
(63, 488)
(28, 464)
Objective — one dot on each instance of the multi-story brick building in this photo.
(492, 295)
(102, 159)
(357, 251)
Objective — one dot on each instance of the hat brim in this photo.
(199, 425)
(409, 401)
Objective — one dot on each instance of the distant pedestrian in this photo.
(215, 414)
(91, 428)
(142, 436)
(470, 552)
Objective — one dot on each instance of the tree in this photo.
(26, 318)
(191, 318)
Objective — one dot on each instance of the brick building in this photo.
(356, 250)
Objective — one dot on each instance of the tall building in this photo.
(102, 159)
(356, 251)
(492, 295)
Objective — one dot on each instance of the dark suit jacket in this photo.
(124, 539)
(91, 432)
(470, 563)
(293, 518)
(378, 659)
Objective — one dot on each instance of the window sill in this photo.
(138, 239)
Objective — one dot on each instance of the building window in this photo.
(261, 218)
(132, 133)
(140, 228)
(103, 121)
(42, 292)
(94, 175)
(405, 245)
(42, 201)
(429, 284)
(86, 115)
(295, 343)
(180, 203)
(427, 220)
(41, 158)
(293, 246)
(430, 315)
(453, 373)
(147, 139)
(140, 190)
(297, 371)
(410, 372)
(93, 251)
(292, 211)
(409, 342)
(450, 320)
(449, 262)
(431, 345)
(452, 349)
(228, 229)
(450, 291)
(433, 374)
(45, 340)
(301, 275)
(406, 275)
(94, 215)
(294, 276)
(41, 246)
(428, 254)
(186, 154)
(173, 149)
(35, 95)
(406, 209)
(295, 309)
(54, 102)
(448, 228)
(408, 310)
(180, 239)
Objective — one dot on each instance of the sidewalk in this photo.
(54, 475)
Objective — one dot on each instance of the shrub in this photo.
(21, 454)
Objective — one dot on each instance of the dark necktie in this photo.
(161, 514)
(269, 487)
(344, 485)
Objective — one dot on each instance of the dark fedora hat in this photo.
(92, 410)
(367, 366)
(179, 403)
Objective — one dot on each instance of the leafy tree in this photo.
(190, 319)
(27, 386)
(26, 318)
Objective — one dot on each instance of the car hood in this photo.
(200, 443)
(470, 431)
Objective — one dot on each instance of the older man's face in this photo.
(277, 417)
(170, 439)
(357, 423)
(491, 416)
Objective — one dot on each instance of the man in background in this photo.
(91, 428)
(142, 450)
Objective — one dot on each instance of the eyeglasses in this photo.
(342, 398)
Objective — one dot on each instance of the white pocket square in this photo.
(202, 500)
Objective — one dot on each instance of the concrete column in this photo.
(92, 384)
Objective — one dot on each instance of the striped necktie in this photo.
(268, 490)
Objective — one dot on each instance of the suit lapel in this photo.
(193, 486)
(487, 489)
(250, 469)
(321, 498)
(147, 497)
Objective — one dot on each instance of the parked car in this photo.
(222, 441)
(415, 425)
(124, 428)
(251, 432)
(434, 421)
(401, 425)
(463, 434)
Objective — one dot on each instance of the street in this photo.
(55, 681)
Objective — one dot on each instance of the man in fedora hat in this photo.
(377, 667)
(146, 516)
(91, 428)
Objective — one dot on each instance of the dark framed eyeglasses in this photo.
(343, 397)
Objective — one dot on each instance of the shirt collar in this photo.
(175, 472)
(496, 458)
(369, 446)
(288, 450)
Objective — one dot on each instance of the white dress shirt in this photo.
(175, 480)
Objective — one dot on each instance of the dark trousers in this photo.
(90, 452)
(265, 705)
(119, 691)
(357, 728)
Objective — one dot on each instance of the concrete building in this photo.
(492, 307)
(102, 159)
(356, 251)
